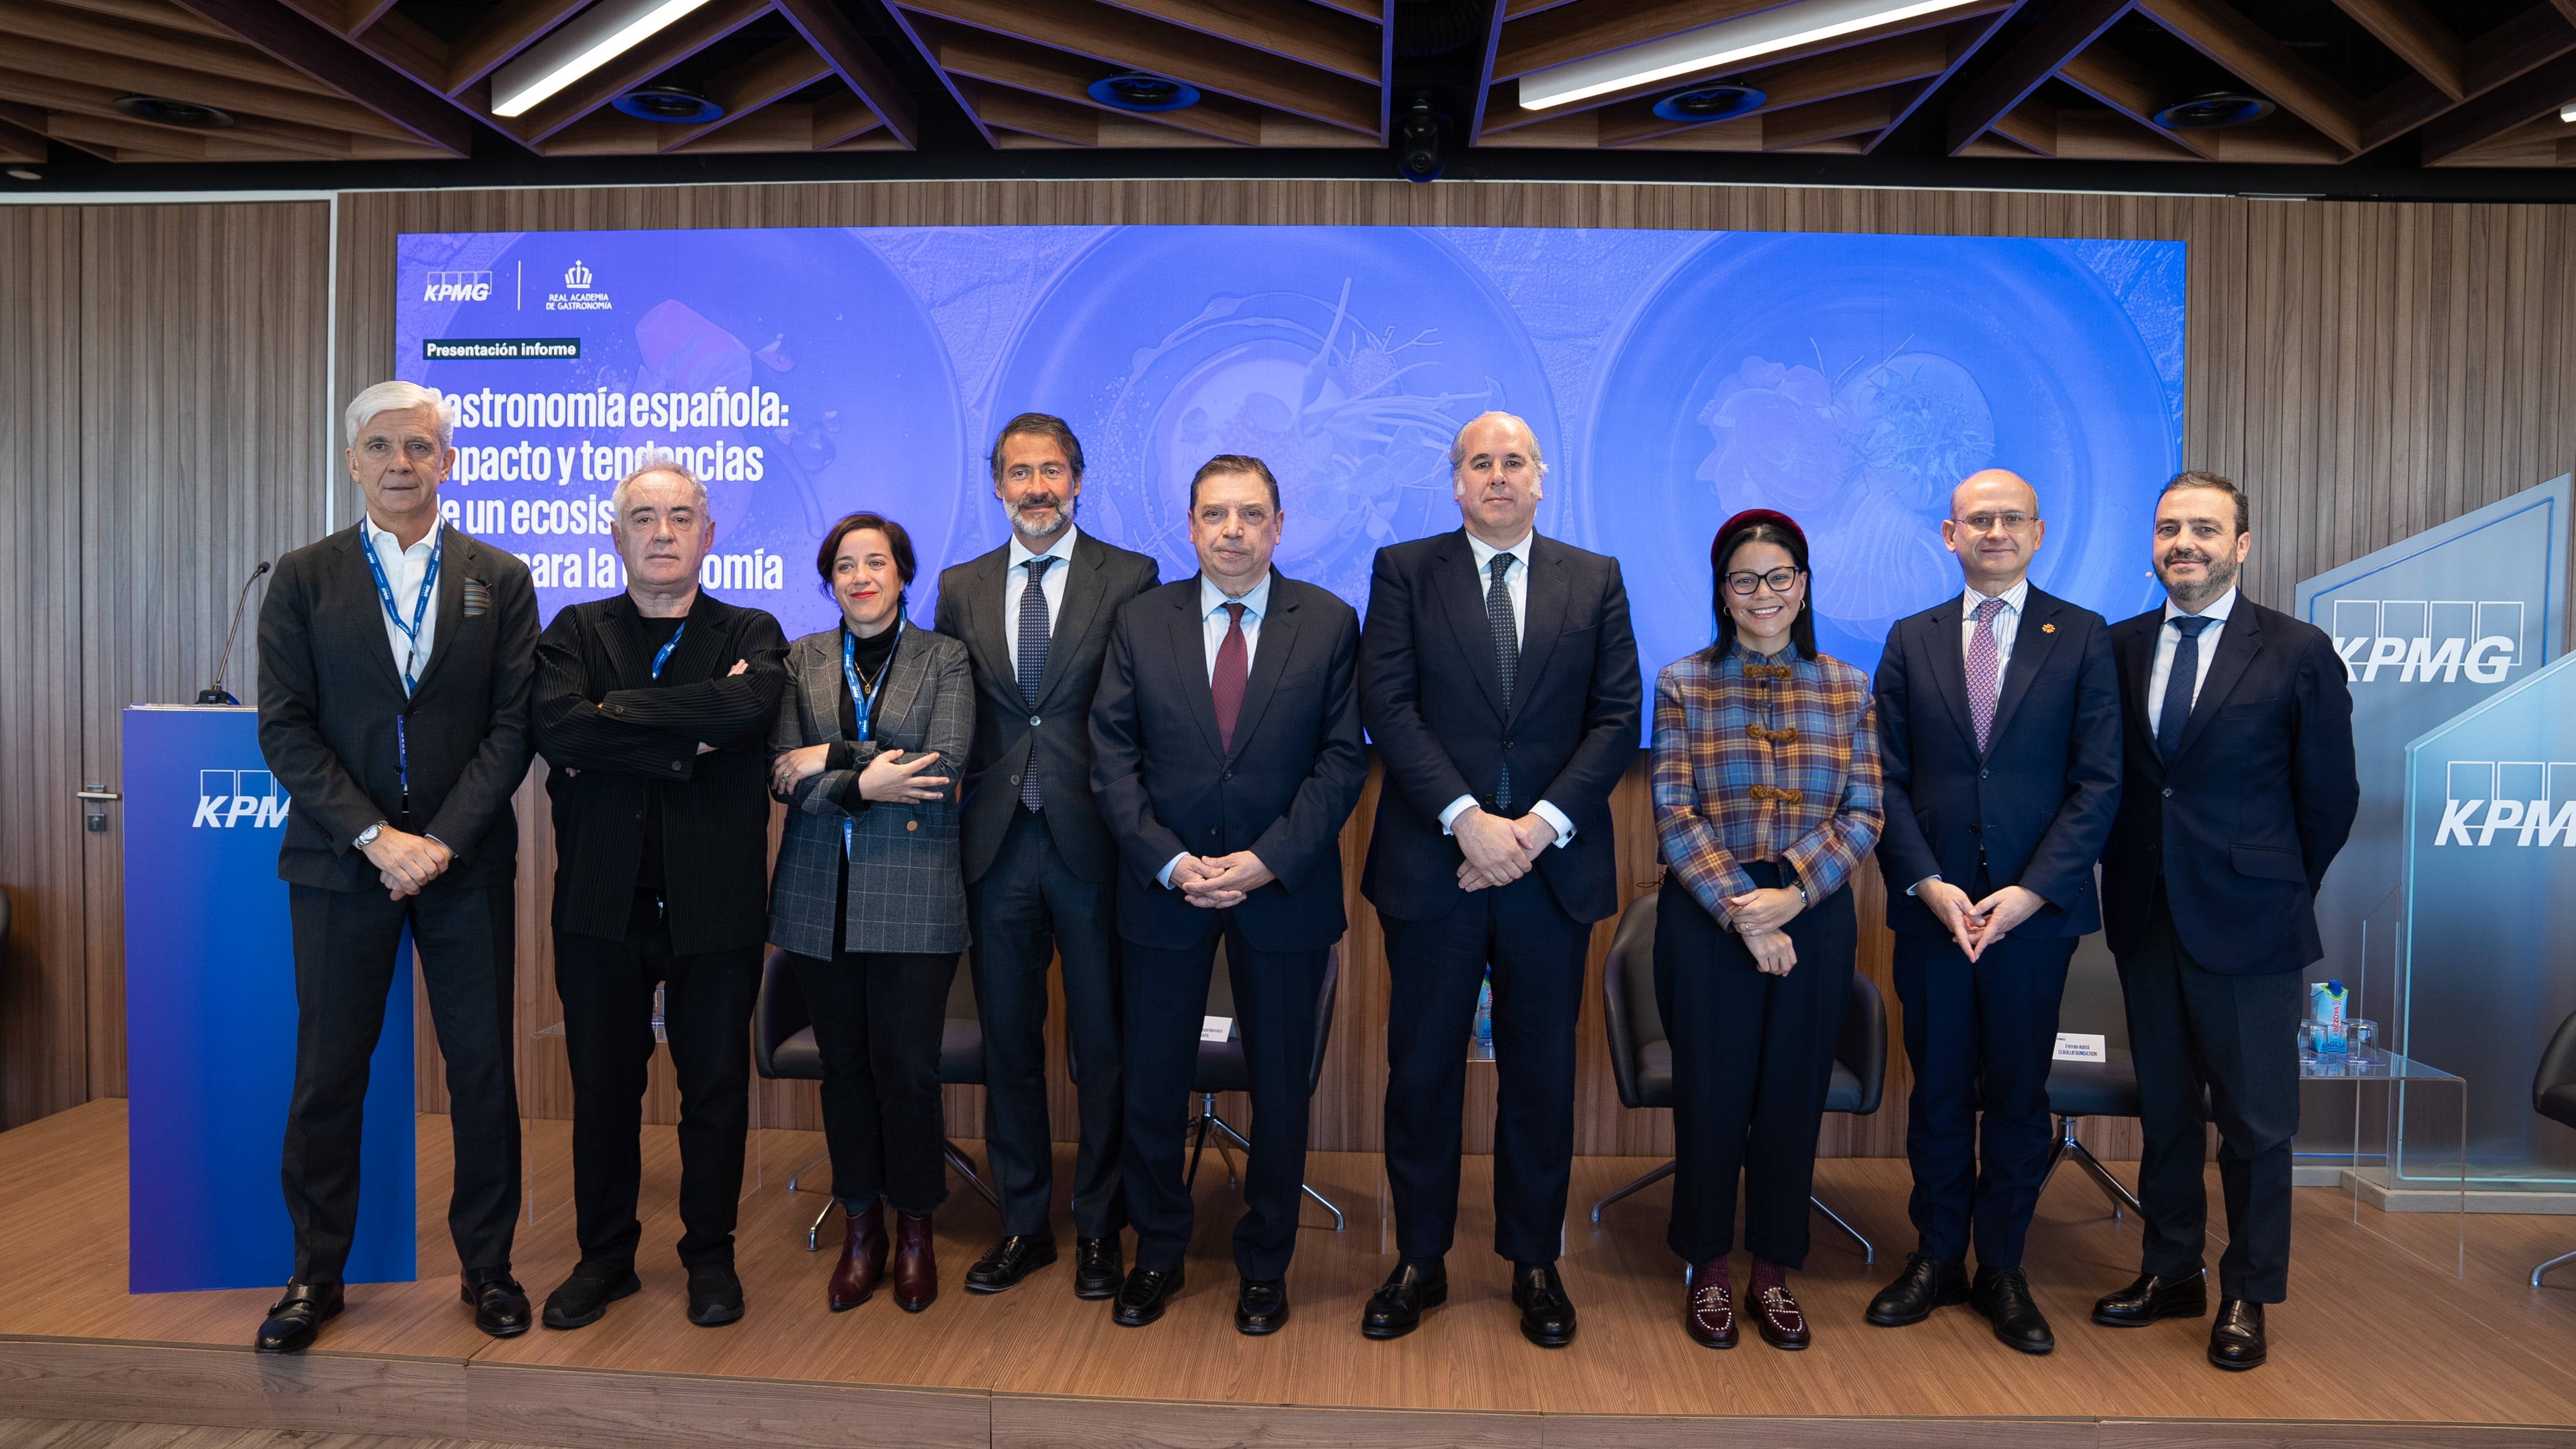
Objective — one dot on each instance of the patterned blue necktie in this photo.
(1032, 662)
(1507, 656)
(2180, 685)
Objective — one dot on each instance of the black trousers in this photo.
(1981, 1034)
(1753, 1056)
(2190, 1028)
(607, 992)
(1535, 951)
(344, 965)
(878, 1018)
(1274, 1003)
(1027, 909)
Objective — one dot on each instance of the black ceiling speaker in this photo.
(1419, 152)
(1722, 101)
(669, 105)
(1136, 91)
(163, 112)
(2213, 111)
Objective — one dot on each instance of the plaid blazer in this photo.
(1749, 766)
(906, 892)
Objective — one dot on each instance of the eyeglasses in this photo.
(1985, 522)
(1779, 579)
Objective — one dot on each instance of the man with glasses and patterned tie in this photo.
(1999, 750)
(1035, 616)
(2237, 788)
(1498, 677)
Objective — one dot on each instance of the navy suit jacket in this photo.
(2258, 799)
(1433, 703)
(1282, 792)
(2038, 803)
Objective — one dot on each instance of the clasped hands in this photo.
(1219, 882)
(1975, 925)
(406, 862)
(1497, 851)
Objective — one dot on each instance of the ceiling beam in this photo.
(355, 73)
(657, 53)
(2222, 33)
(147, 12)
(1587, 28)
(2527, 98)
(1966, 39)
(2125, 86)
(1034, 68)
(1830, 120)
(839, 42)
(227, 57)
(1034, 115)
(1306, 33)
(2060, 35)
(1869, 67)
(199, 87)
(503, 32)
(1497, 13)
(2418, 39)
(742, 90)
(841, 116)
(2530, 39)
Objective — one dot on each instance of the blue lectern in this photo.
(210, 1022)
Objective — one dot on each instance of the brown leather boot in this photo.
(916, 1267)
(863, 1257)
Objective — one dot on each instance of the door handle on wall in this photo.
(94, 801)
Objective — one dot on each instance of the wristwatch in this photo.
(368, 836)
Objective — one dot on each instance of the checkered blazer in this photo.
(906, 892)
(1749, 766)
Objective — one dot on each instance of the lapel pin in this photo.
(2048, 628)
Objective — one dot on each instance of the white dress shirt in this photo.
(1015, 581)
(404, 568)
(1212, 627)
(2007, 622)
(1516, 584)
(2168, 639)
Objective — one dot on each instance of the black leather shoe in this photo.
(715, 1295)
(1261, 1306)
(1144, 1296)
(1547, 1315)
(584, 1297)
(500, 1304)
(1098, 1268)
(1008, 1261)
(1927, 1283)
(2236, 1339)
(2151, 1298)
(296, 1316)
(1395, 1309)
(2003, 1295)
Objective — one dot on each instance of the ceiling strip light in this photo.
(597, 36)
(1725, 43)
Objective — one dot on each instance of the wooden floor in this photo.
(2377, 1346)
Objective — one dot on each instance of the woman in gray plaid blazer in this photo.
(868, 900)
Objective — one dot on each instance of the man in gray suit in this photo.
(1035, 617)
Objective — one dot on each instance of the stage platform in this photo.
(2377, 1347)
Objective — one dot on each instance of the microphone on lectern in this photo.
(215, 693)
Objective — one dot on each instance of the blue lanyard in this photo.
(663, 655)
(420, 606)
(859, 702)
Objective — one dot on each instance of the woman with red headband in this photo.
(1766, 796)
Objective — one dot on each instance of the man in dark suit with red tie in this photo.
(1498, 678)
(2237, 789)
(1999, 750)
(1226, 752)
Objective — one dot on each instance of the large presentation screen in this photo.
(1671, 378)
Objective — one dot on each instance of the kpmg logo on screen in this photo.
(2428, 640)
(229, 798)
(456, 287)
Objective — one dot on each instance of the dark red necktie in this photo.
(1226, 684)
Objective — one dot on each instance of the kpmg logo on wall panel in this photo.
(2428, 640)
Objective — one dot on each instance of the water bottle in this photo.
(1480, 1048)
(2327, 1001)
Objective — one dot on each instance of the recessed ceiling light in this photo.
(1784, 27)
(669, 105)
(2214, 111)
(1721, 102)
(163, 112)
(1137, 91)
(2567, 113)
(595, 37)
(21, 173)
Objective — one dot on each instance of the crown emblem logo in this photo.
(577, 275)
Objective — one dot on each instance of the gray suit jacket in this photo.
(906, 893)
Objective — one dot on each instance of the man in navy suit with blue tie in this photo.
(1999, 745)
(2237, 790)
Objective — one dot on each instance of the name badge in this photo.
(1216, 1028)
(2079, 1046)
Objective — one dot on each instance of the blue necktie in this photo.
(2180, 685)
(1032, 662)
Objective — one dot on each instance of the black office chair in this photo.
(1222, 1068)
(782, 1046)
(2553, 1095)
(1641, 1058)
(2093, 1004)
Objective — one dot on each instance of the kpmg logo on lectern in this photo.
(2520, 802)
(226, 798)
(2428, 640)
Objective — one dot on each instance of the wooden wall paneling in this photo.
(44, 1042)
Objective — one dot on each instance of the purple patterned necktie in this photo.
(1982, 672)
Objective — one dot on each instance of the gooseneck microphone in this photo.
(215, 693)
